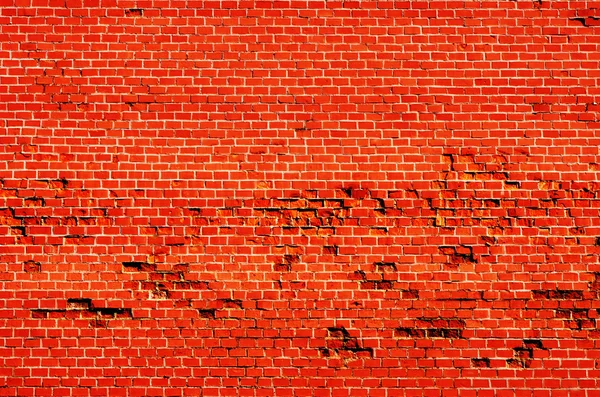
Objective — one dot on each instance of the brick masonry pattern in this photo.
(299, 198)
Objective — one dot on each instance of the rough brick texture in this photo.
(299, 198)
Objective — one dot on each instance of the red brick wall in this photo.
(299, 198)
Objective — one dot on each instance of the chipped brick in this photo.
(79, 304)
(207, 313)
(480, 362)
(32, 266)
(230, 303)
(139, 267)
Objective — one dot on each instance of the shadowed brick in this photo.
(32, 266)
(480, 362)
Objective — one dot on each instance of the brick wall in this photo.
(299, 198)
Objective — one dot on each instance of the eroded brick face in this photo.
(291, 198)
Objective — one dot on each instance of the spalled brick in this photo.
(341, 345)
(480, 362)
(133, 266)
(32, 266)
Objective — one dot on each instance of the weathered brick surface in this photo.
(299, 198)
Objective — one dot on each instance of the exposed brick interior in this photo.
(299, 198)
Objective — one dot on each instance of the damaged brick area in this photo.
(578, 319)
(86, 310)
(483, 362)
(458, 255)
(339, 344)
(168, 278)
(427, 328)
(525, 354)
(163, 282)
(380, 277)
